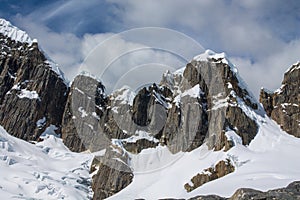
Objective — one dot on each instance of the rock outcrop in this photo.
(81, 119)
(113, 174)
(283, 105)
(292, 191)
(33, 91)
(221, 169)
(210, 92)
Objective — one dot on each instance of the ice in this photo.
(159, 98)
(139, 134)
(294, 67)
(50, 130)
(179, 71)
(115, 109)
(88, 74)
(46, 170)
(219, 102)
(232, 136)
(7, 29)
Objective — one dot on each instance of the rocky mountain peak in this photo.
(283, 105)
(204, 106)
(213, 82)
(204, 103)
(32, 91)
(14, 33)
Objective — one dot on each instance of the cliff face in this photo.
(205, 103)
(32, 93)
(193, 106)
(222, 104)
(81, 119)
(196, 105)
(283, 105)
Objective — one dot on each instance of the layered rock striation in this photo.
(193, 106)
(196, 105)
(283, 105)
(33, 91)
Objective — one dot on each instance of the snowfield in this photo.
(272, 160)
(45, 170)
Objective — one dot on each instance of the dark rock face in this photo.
(283, 105)
(109, 181)
(214, 111)
(89, 124)
(112, 175)
(186, 124)
(144, 112)
(291, 192)
(266, 99)
(32, 95)
(186, 110)
(221, 169)
(139, 145)
(208, 197)
(80, 124)
(183, 112)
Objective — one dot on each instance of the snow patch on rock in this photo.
(28, 94)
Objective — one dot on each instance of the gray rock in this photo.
(85, 105)
(181, 125)
(221, 169)
(113, 174)
(218, 83)
(291, 192)
(24, 71)
(283, 105)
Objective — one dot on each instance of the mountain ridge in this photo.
(204, 108)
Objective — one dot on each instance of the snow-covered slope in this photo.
(270, 161)
(46, 170)
(7, 29)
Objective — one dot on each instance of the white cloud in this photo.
(268, 71)
(255, 33)
(63, 48)
(260, 35)
(121, 60)
(135, 57)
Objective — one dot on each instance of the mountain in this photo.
(33, 90)
(283, 105)
(197, 132)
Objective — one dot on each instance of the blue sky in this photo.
(261, 37)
